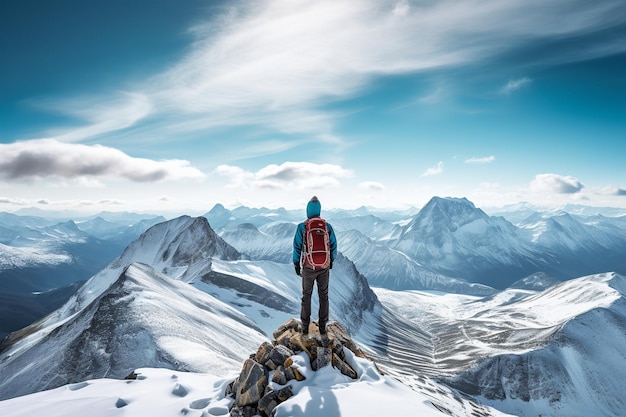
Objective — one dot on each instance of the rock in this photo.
(268, 403)
(286, 336)
(280, 376)
(291, 324)
(291, 372)
(278, 356)
(343, 367)
(284, 394)
(304, 344)
(251, 389)
(263, 353)
(252, 380)
(297, 375)
(323, 358)
(247, 411)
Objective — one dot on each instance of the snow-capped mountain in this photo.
(579, 370)
(580, 246)
(557, 352)
(180, 297)
(43, 260)
(122, 231)
(451, 245)
(392, 269)
(220, 217)
(451, 236)
(172, 292)
(273, 244)
(363, 239)
(143, 318)
(370, 225)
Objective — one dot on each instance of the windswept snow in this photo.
(164, 393)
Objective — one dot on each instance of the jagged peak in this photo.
(448, 212)
(451, 205)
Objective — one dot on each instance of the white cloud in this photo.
(436, 170)
(36, 159)
(612, 190)
(289, 175)
(371, 185)
(13, 201)
(483, 160)
(553, 183)
(276, 63)
(514, 85)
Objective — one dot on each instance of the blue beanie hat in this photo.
(313, 208)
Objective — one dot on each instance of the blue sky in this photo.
(173, 106)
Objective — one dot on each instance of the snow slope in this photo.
(163, 392)
(140, 309)
(557, 352)
(143, 319)
(390, 268)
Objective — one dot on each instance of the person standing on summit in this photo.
(314, 250)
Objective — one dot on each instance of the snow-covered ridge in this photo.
(539, 347)
(164, 303)
(555, 352)
(143, 318)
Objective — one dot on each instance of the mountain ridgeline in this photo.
(449, 245)
(179, 297)
(189, 296)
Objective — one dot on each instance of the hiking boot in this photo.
(305, 329)
(323, 330)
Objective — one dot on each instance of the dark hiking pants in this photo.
(309, 277)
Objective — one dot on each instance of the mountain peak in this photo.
(218, 208)
(451, 205)
(447, 212)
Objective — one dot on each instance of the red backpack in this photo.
(316, 244)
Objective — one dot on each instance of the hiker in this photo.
(314, 250)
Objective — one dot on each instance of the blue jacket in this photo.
(313, 209)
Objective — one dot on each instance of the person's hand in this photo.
(297, 267)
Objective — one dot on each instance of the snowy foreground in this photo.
(162, 392)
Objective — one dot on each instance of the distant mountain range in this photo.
(180, 297)
(449, 245)
(43, 260)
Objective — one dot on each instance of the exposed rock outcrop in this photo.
(264, 379)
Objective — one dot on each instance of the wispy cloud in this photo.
(103, 114)
(554, 183)
(436, 170)
(278, 63)
(514, 85)
(483, 160)
(36, 159)
(289, 175)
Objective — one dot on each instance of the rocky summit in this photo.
(264, 379)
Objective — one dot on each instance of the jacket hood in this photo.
(313, 208)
